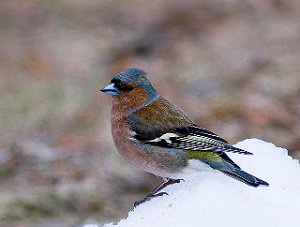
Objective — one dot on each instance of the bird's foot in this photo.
(156, 192)
(149, 197)
(167, 183)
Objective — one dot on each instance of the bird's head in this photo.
(131, 88)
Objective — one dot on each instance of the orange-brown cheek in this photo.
(132, 99)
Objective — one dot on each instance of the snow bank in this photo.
(213, 199)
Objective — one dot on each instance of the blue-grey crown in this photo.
(131, 75)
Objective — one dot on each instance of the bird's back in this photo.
(157, 118)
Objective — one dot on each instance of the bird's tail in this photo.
(244, 177)
(220, 161)
(231, 169)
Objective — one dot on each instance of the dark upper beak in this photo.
(110, 90)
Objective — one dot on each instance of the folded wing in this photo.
(193, 138)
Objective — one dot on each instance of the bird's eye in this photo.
(128, 88)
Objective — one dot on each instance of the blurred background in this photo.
(232, 65)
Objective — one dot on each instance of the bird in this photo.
(156, 136)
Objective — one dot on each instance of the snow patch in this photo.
(210, 198)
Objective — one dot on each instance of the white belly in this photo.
(193, 166)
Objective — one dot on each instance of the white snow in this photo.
(212, 199)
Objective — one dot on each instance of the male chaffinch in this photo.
(157, 137)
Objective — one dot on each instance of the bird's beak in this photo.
(110, 89)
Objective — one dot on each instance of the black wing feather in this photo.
(194, 138)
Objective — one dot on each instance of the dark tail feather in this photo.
(246, 178)
(224, 164)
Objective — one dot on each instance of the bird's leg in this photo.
(166, 183)
(156, 193)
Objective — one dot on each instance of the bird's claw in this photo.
(149, 197)
(178, 181)
(156, 192)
